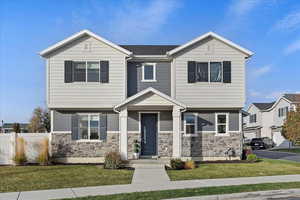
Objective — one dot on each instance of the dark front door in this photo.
(149, 134)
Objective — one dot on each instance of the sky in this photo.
(269, 28)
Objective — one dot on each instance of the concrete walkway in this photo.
(290, 194)
(146, 178)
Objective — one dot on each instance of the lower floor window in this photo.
(190, 121)
(89, 126)
(222, 123)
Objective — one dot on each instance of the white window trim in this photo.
(227, 124)
(86, 71)
(154, 73)
(210, 82)
(196, 126)
(89, 130)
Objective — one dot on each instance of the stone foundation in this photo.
(63, 146)
(165, 144)
(208, 145)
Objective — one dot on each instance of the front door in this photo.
(149, 134)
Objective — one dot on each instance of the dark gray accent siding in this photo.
(207, 120)
(166, 121)
(134, 78)
(62, 120)
(133, 121)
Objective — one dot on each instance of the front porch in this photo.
(153, 119)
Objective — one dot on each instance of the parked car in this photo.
(261, 143)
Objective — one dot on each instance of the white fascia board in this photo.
(76, 36)
(143, 92)
(214, 35)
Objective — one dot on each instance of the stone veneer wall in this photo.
(164, 143)
(63, 146)
(210, 145)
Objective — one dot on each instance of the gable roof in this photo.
(264, 106)
(294, 98)
(214, 35)
(149, 49)
(78, 35)
(146, 91)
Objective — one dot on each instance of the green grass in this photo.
(23, 178)
(288, 150)
(155, 195)
(265, 167)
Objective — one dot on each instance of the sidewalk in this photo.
(290, 194)
(150, 178)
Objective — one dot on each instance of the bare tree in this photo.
(16, 128)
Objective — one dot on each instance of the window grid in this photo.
(209, 72)
(86, 70)
(88, 125)
(195, 116)
(222, 123)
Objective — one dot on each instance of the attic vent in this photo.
(87, 47)
(210, 48)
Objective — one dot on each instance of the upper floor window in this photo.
(149, 72)
(209, 72)
(190, 123)
(86, 71)
(89, 126)
(252, 118)
(222, 123)
(282, 112)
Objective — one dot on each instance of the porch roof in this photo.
(145, 93)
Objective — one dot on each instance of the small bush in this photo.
(20, 156)
(43, 157)
(251, 158)
(112, 160)
(177, 164)
(246, 151)
(190, 164)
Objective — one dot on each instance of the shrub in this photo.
(177, 164)
(43, 157)
(251, 158)
(190, 164)
(20, 156)
(112, 160)
(246, 151)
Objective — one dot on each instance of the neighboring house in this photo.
(176, 100)
(8, 127)
(266, 119)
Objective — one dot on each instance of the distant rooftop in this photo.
(295, 98)
(149, 49)
(10, 125)
(264, 106)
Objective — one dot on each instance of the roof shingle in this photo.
(295, 98)
(264, 106)
(149, 49)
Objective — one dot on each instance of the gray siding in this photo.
(163, 78)
(207, 120)
(210, 95)
(62, 120)
(82, 94)
(166, 122)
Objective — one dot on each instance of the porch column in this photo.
(176, 132)
(123, 133)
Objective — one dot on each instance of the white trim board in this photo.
(78, 35)
(214, 35)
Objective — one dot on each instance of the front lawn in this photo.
(265, 167)
(165, 194)
(22, 178)
(293, 150)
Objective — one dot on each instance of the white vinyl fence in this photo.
(33, 146)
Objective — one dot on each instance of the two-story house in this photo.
(267, 119)
(180, 101)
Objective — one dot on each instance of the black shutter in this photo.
(75, 127)
(68, 71)
(104, 71)
(103, 126)
(191, 71)
(227, 71)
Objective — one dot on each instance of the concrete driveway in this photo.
(278, 155)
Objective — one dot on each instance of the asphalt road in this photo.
(278, 155)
